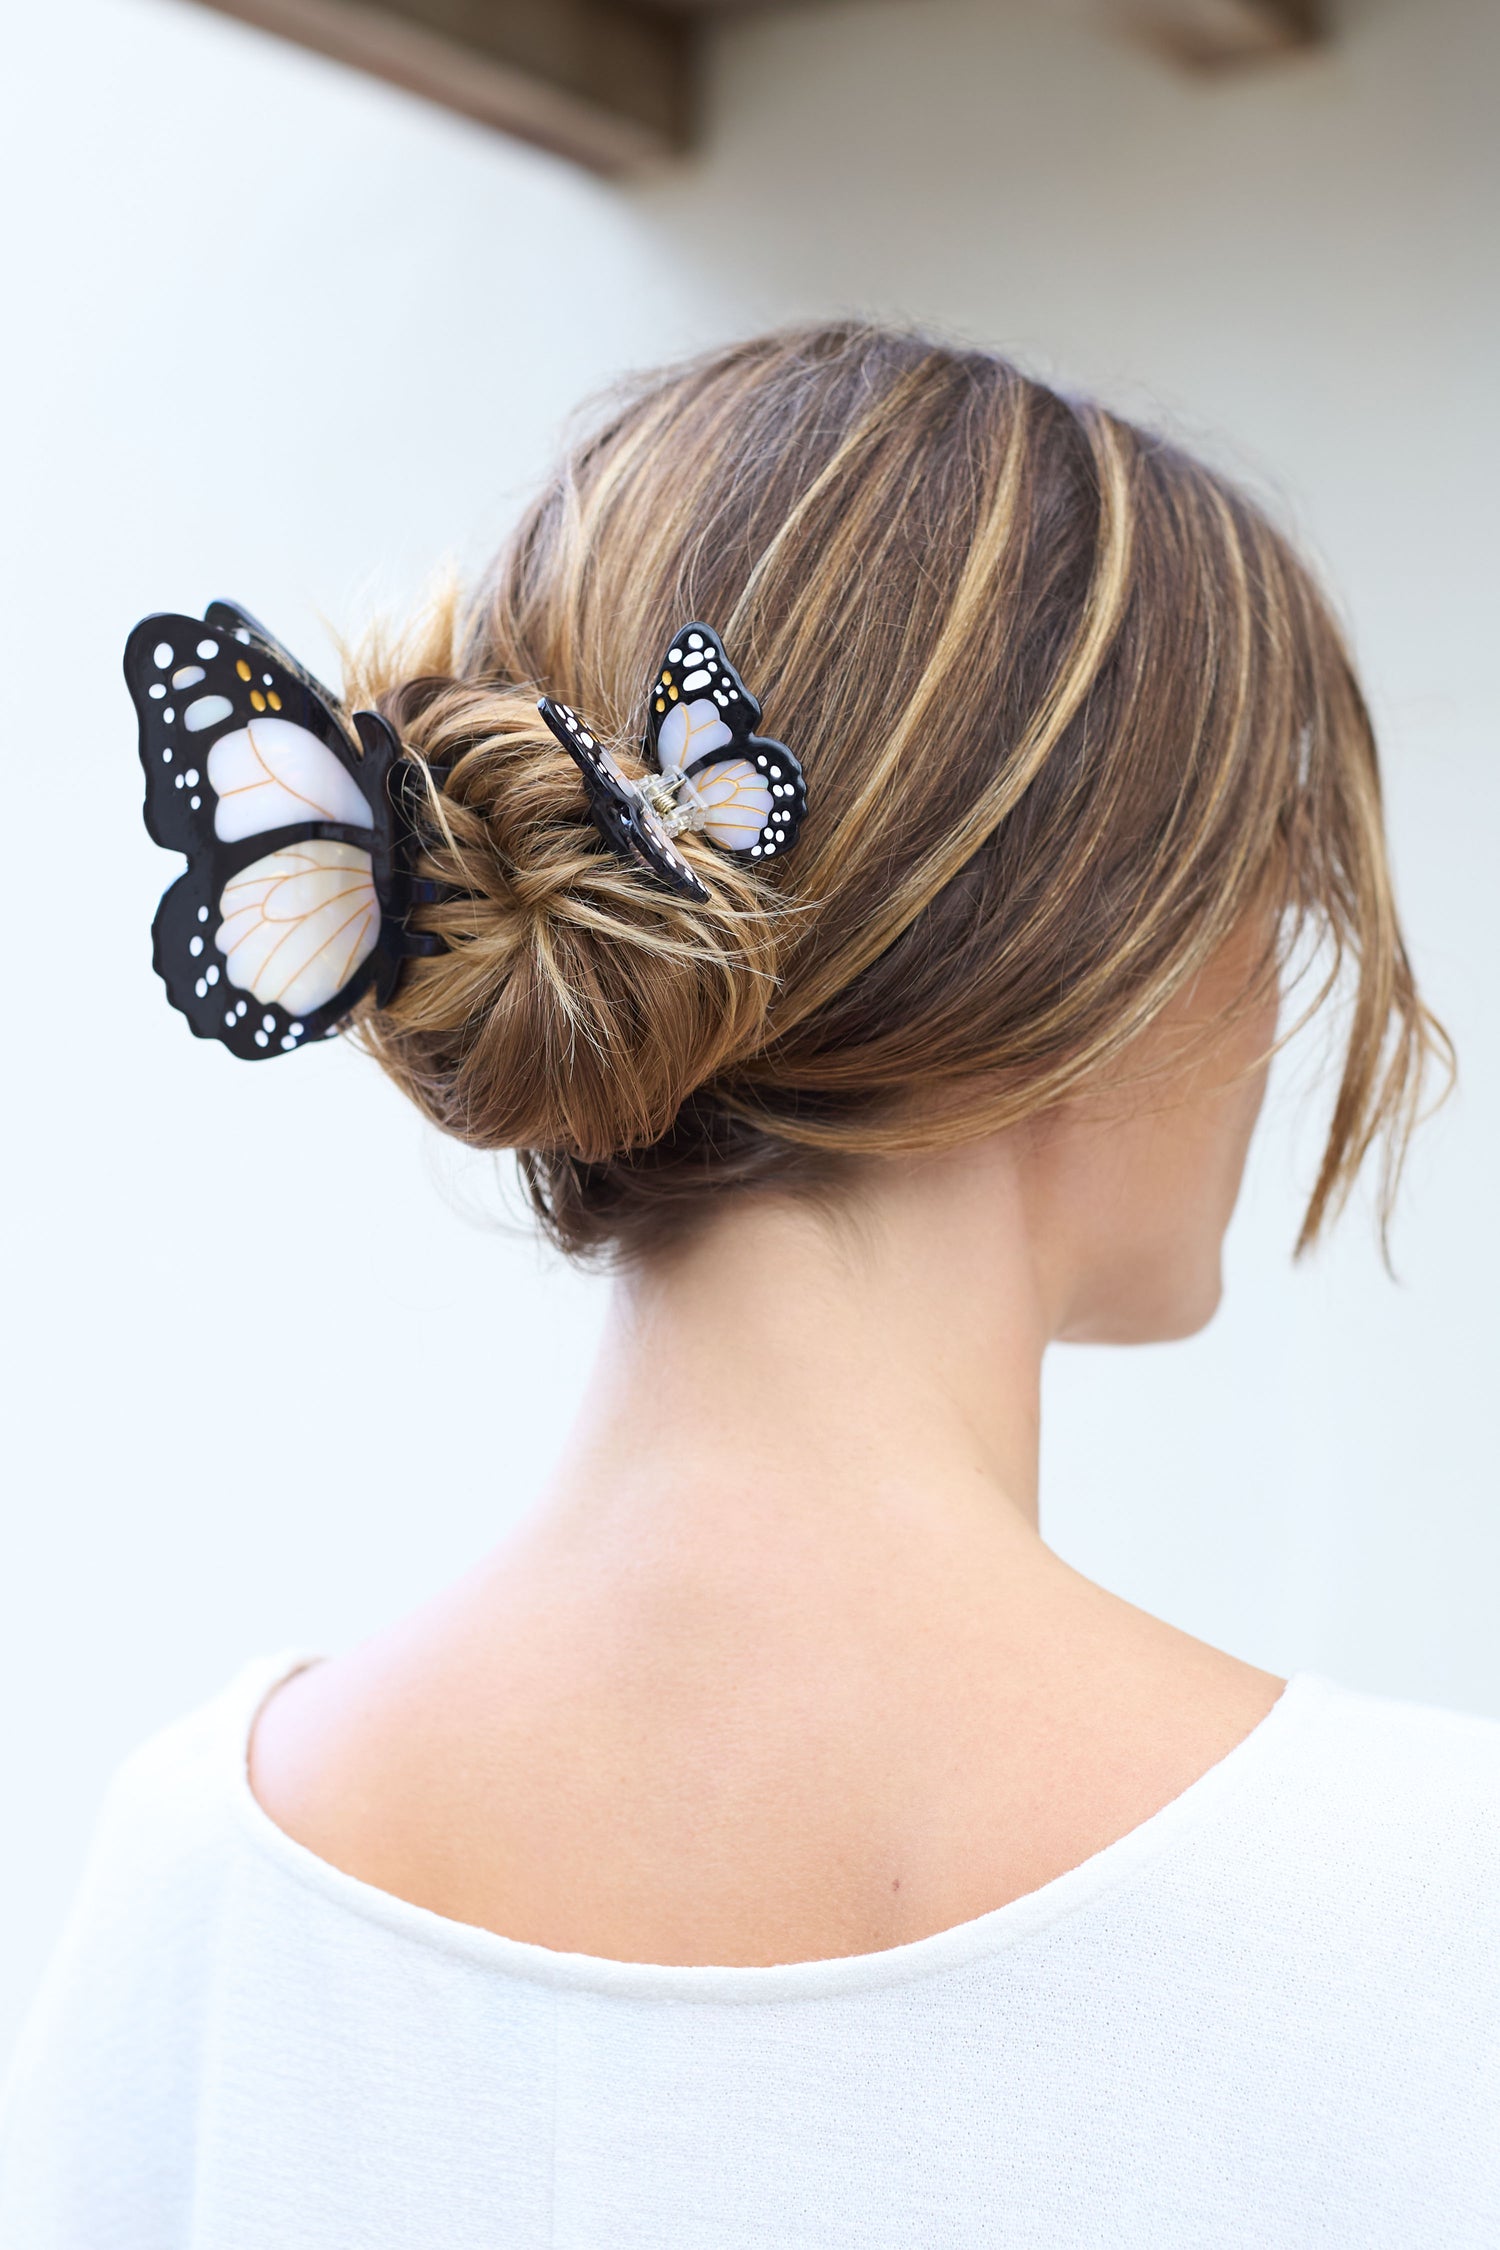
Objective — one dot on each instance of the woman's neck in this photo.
(817, 1367)
(781, 1667)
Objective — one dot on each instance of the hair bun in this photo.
(576, 1007)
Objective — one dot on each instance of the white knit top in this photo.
(1268, 2017)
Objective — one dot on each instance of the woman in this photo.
(773, 1842)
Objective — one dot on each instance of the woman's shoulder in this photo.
(1359, 1762)
(168, 1823)
(120, 2005)
(176, 1792)
(1378, 1821)
(1422, 1753)
(106, 2052)
(1359, 1804)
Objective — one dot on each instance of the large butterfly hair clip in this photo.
(707, 770)
(298, 824)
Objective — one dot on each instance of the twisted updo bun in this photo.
(1069, 709)
(574, 1008)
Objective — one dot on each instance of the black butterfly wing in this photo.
(620, 813)
(304, 842)
(193, 683)
(701, 719)
(239, 622)
(198, 974)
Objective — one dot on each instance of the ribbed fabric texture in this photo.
(1267, 2018)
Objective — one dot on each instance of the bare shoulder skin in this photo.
(781, 1668)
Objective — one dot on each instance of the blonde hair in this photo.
(1070, 711)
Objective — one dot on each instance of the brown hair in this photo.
(1069, 707)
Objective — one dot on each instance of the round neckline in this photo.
(1106, 1870)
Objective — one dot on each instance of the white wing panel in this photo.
(735, 802)
(272, 773)
(689, 731)
(299, 923)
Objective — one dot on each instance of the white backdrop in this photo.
(280, 334)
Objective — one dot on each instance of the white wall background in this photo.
(281, 334)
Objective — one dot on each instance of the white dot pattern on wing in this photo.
(301, 922)
(650, 823)
(740, 807)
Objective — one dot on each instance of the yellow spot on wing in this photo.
(257, 699)
(243, 669)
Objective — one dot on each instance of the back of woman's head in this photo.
(1070, 712)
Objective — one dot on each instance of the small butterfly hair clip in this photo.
(298, 822)
(707, 769)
